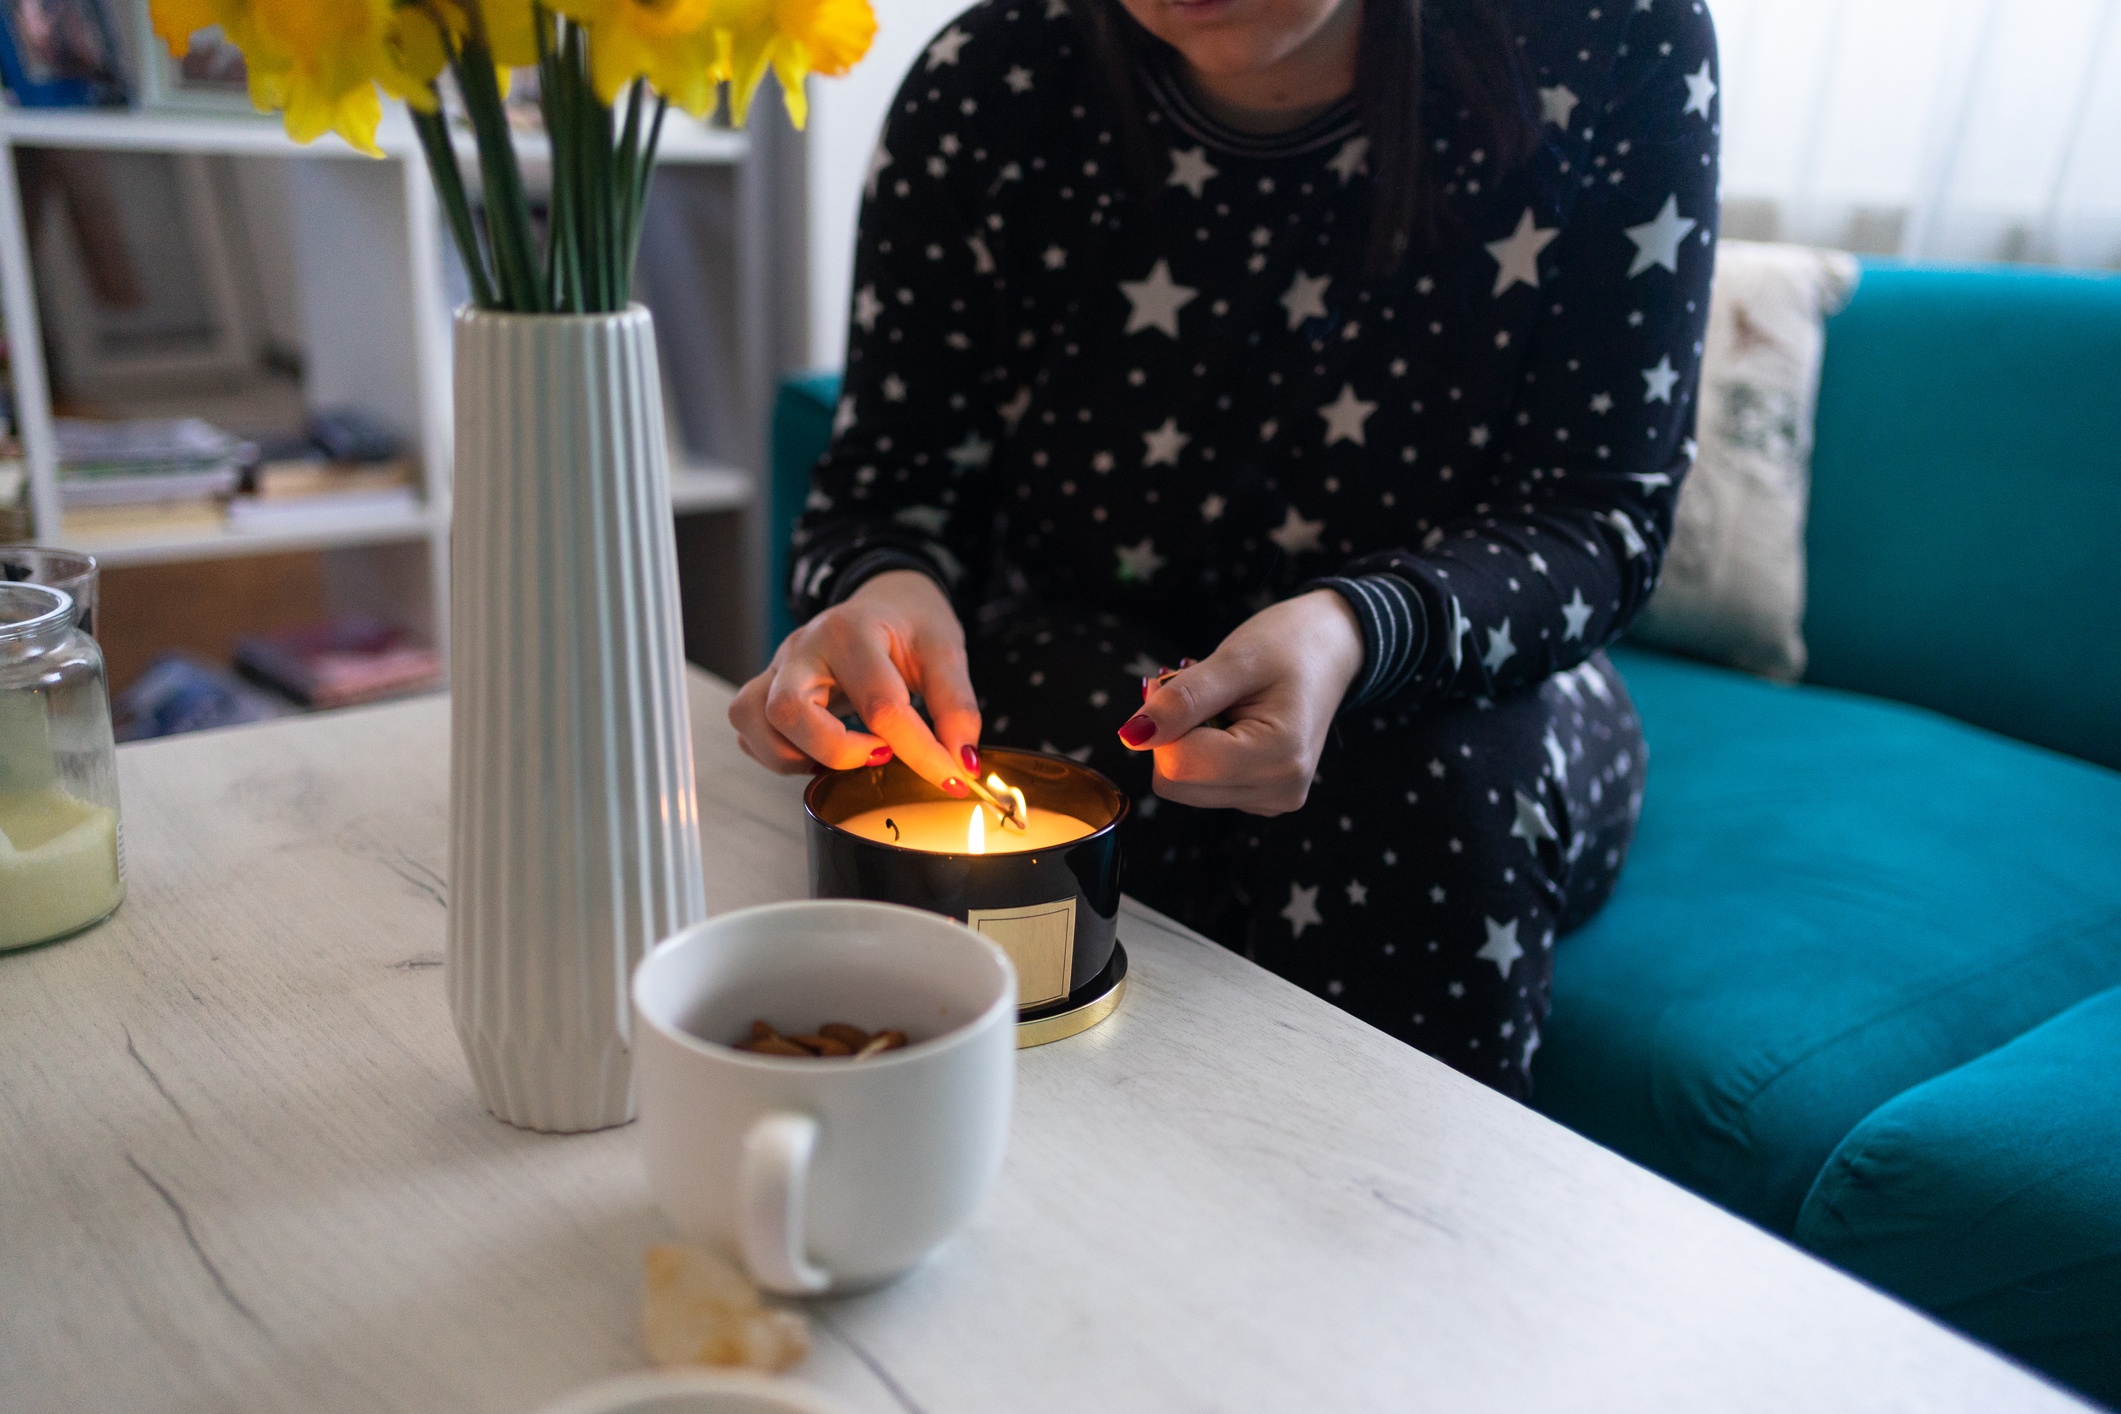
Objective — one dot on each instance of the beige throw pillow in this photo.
(1733, 585)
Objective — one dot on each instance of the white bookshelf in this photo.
(369, 254)
(684, 140)
(330, 531)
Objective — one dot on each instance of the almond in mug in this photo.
(833, 1040)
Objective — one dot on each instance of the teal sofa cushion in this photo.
(802, 428)
(1966, 499)
(1830, 899)
(1991, 1197)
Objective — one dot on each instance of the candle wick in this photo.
(894, 828)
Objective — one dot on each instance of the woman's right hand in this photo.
(893, 637)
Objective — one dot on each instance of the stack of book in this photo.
(348, 660)
(311, 491)
(146, 475)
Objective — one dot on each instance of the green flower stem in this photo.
(597, 134)
(587, 141)
(629, 154)
(601, 169)
(563, 217)
(555, 211)
(637, 196)
(507, 205)
(433, 130)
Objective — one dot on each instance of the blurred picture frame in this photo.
(61, 54)
(136, 259)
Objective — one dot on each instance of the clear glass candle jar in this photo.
(62, 857)
(69, 570)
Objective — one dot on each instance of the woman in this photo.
(1348, 345)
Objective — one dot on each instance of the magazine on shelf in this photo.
(144, 441)
(194, 483)
(347, 660)
(146, 460)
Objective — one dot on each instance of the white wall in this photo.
(846, 114)
(1968, 129)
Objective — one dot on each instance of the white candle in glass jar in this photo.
(58, 865)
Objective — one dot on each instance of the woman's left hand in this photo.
(1277, 681)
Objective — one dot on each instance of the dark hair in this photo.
(1464, 47)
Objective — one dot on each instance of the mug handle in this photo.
(773, 1182)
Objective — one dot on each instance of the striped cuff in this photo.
(1394, 631)
(871, 563)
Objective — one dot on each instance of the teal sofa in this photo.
(1860, 982)
(1861, 979)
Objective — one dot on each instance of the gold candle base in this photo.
(1076, 1014)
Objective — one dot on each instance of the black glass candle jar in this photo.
(1055, 911)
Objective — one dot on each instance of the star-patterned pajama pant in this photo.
(1422, 886)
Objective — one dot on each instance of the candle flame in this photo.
(976, 831)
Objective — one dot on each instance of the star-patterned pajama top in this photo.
(1180, 410)
(1115, 425)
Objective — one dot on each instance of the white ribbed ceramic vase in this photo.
(574, 827)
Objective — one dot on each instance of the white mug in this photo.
(824, 1174)
(697, 1392)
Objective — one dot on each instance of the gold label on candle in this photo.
(1040, 940)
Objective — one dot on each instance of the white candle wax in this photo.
(58, 865)
(942, 826)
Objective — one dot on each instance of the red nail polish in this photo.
(956, 787)
(879, 756)
(1148, 686)
(1138, 730)
(1184, 663)
(970, 756)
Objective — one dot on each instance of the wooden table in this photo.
(242, 1168)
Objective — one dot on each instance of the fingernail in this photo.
(1187, 662)
(970, 756)
(1138, 730)
(879, 756)
(956, 787)
(1148, 686)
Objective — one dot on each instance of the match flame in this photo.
(1023, 810)
(976, 831)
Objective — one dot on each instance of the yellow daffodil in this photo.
(508, 28)
(316, 60)
(834, 34)
(326, 66)
(630, 39)
(417, 57)
(794, 38)
(334, 51)
(176, 21)
(511, 32)
(691, 69)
